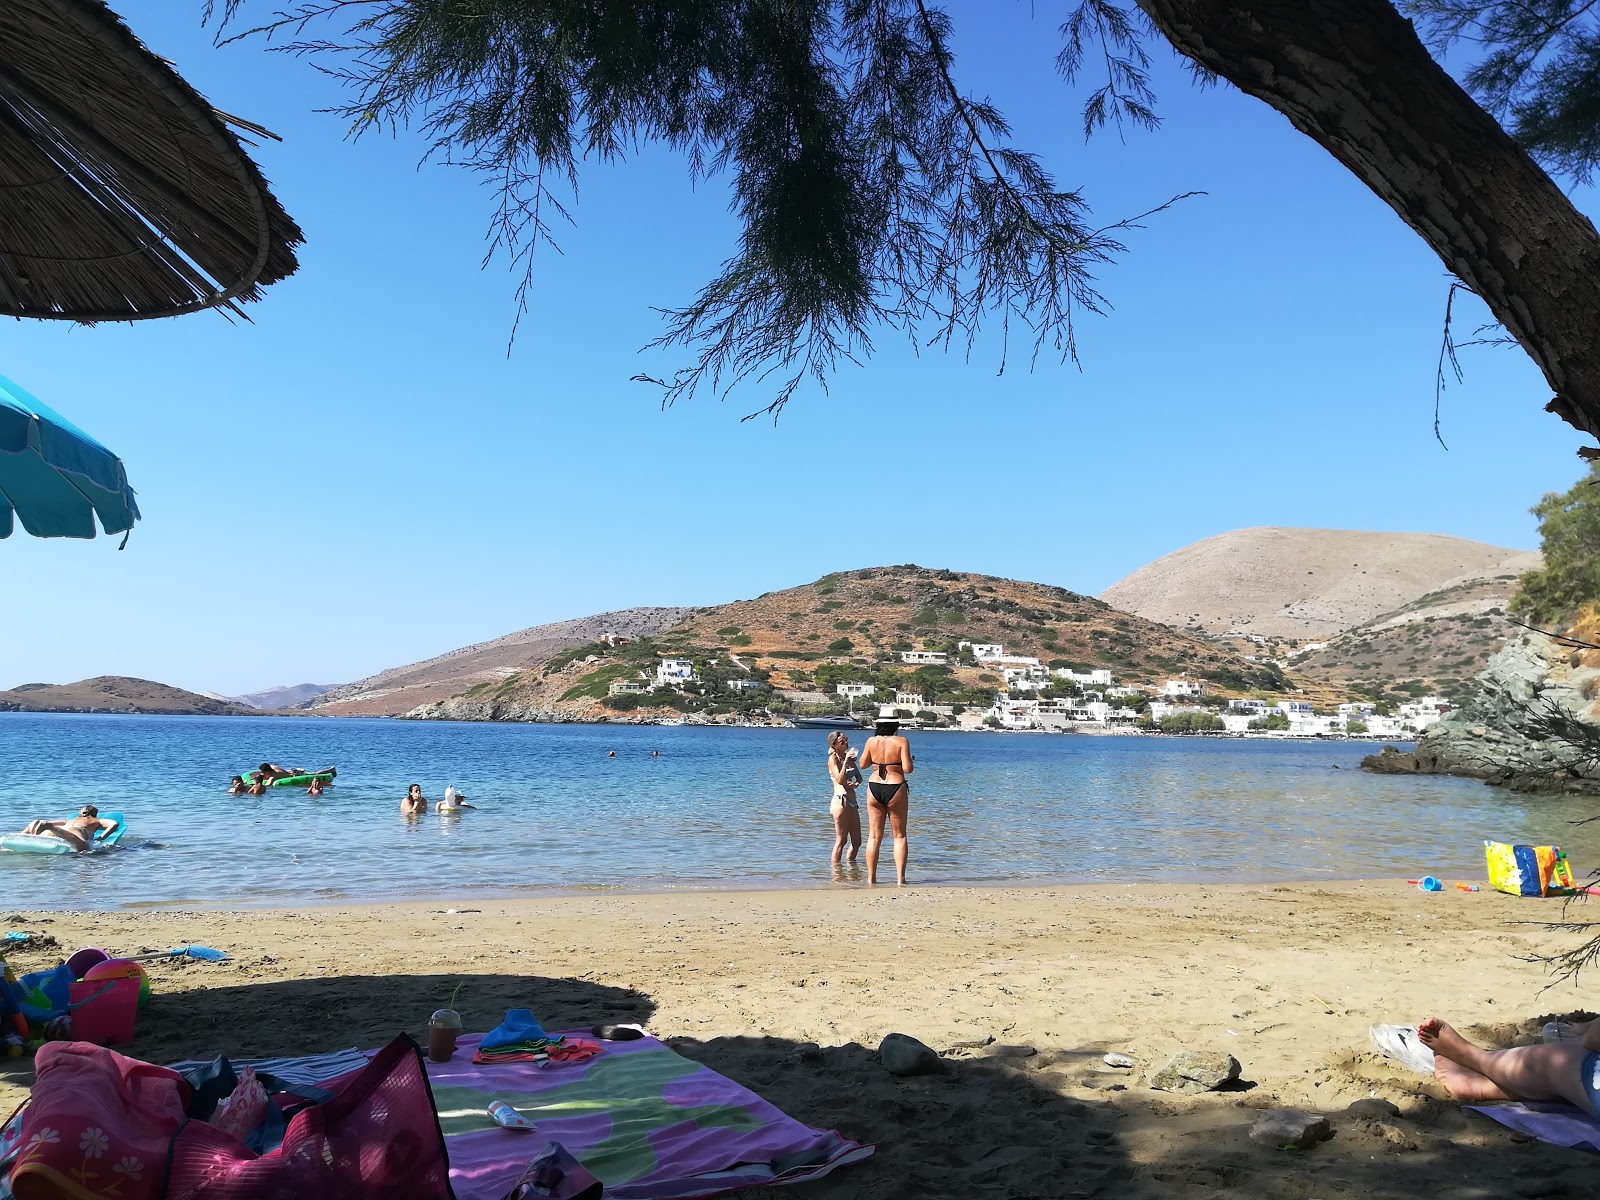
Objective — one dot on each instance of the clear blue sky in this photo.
(361, 477)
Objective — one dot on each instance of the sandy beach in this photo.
(1287, 978)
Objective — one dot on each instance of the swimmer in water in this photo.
(236, 786)
(316, 786)
(613, 754)
(414, 803)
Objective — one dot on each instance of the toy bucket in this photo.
(103, 1011)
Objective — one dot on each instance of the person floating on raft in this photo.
(79, 832)
(271, 775)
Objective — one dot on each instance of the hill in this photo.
(854, 625)
(400, 689)
(114, 694)
(1305, 584)
(286, 696)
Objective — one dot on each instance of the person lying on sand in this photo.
(78, 832)
(415, 801)
(1565, 1070)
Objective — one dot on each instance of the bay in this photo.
(720, 808)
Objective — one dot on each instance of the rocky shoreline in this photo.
(1534, 725)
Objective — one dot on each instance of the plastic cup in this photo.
(442, 1041)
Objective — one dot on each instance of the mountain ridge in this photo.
(115, 694)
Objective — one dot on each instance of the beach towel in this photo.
(1557, 1124)
(1528, 870)
(649, 1123)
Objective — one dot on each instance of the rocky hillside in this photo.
(859, 619)
(400, 689)
(1308, 584)
(1435, 644)
(114, 694)
(1534, 723)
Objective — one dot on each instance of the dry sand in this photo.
(1285, 978)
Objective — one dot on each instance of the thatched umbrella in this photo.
(123, 194)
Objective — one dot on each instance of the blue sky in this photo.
(361, 476)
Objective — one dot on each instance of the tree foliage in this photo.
(871, 191)
(1536, 68)
(1569, 536)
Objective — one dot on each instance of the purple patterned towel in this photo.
(649, 1123)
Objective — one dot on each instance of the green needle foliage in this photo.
(870, 190)
(1536, 66)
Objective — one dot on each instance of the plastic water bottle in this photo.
(503, 1115)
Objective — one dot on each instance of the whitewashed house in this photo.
(626, 687)
(983, 650)
(911, 700)
(744, 685)
(1179, 688)
(1256, 708)
(1296, 710)
(1356, 710)
(856, 690)
(1097, 677)
(928, 658)
(675, 672)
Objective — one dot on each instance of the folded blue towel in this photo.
(519, 1026)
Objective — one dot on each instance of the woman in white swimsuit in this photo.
(846, 778)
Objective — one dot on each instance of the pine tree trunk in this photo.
(1354, 76)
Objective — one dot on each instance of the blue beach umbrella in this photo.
(55, 478)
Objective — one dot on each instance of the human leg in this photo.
(897, 826)
(840, 828)
(852, 816)
(1544, 1072)
(876, 814)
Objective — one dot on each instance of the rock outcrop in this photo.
(1534, 724)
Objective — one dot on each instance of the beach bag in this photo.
(102, 1125)
(1528, 870)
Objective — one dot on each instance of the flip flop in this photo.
(1400, 1043)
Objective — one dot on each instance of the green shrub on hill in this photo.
(1569, 535)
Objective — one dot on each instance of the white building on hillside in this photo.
(1183, 687)
(931, 658)
(1254, 707)
(674, 672)
(1016, 714)
(854, 690)
(1095, 677)
(744, 685)
(911, 700)
(626, 687)
(1357, 709)
(983, 650)
(1296, 709)
(1422, 713)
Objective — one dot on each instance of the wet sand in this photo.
(1287, 978)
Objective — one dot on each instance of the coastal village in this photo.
(1033, 696)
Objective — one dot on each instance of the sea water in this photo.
(719, 808)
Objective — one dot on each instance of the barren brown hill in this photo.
(1304, 583)
(114, 694)
(868, 617)
(400, 689)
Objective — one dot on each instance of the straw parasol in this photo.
(123, 194)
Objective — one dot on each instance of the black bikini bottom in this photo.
(883, 793)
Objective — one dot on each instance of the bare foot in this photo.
(1443, 1040)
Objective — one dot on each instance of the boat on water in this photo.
(826, 723)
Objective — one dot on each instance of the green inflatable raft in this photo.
(295, 780)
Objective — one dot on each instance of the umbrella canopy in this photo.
(55, 478)
(123, 194)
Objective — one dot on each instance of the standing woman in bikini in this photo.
(846, 779)
(888, 756)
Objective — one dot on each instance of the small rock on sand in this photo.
(1291, 1127)
(1192, 1071)
(1118, 1060)
(902, 1054)
(1372, 1109)
(1004, 1050)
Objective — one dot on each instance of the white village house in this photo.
(675, 672)
(929, 658)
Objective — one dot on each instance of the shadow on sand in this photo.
(1057, 1124)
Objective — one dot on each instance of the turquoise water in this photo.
(719, 808)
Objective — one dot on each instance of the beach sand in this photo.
(1287, 978)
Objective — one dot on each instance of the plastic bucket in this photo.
(103, 1012)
